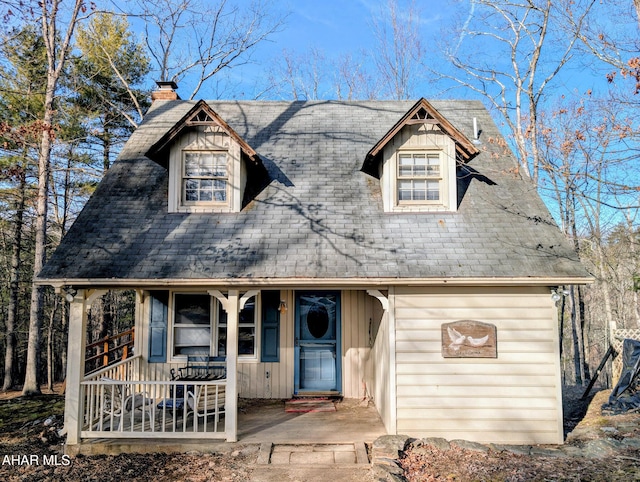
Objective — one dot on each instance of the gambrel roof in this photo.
(320, 215)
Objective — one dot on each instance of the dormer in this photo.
(416, 161)
(207, 161)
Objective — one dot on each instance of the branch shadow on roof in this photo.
(464, 175)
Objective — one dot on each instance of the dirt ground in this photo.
(28, 437)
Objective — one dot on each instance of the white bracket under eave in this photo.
(384, 301)
(224, 300)
(93, 295)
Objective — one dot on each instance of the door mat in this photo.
(307, 405)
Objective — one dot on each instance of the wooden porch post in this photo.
(232, 304)
(75, 368)
(231, 401)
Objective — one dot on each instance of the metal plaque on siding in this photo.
(469, 339)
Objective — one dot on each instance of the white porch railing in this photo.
(117, 404)
(123, 370)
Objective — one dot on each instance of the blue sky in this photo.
(335, 27)
(344, 25)
(338, 27)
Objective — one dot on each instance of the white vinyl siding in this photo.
(514, 398)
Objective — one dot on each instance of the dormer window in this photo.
(205, 177)
(206, 172)
(418, 171)
(419, 178)
(211, 168)
(416, 161)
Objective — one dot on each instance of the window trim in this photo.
(256, 326)
(440, 178)
(184, 203)
(173, 326)
(203, 139)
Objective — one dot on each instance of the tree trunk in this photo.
(582, 318)
(57, 51)
(14, 289)
(31, 381)
(578, 347)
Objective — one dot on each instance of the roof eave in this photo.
(295, 283)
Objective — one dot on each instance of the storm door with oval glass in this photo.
(317, 342)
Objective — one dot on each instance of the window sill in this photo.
(421, 208)
(218, 208)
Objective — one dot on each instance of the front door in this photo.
(317, 342)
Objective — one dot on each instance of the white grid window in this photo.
(200, 326)
(204, 177)
(419, 177)
(192, 324)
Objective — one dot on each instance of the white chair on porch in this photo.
(207, 401)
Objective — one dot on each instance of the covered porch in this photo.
(135, 399)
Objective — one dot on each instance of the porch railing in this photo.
(117, 404)
(109, 350)
(124, 370)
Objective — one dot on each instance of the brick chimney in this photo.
(166, 91)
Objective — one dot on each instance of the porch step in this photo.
(336, 396)
(351, 454)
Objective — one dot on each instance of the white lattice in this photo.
(616, 341)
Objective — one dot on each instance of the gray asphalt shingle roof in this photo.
(320, 217)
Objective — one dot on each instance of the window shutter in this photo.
(270, 326)
(158, 327)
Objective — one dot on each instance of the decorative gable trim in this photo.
(199, 115)
(421, 113)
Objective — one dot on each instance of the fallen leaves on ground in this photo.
(427, 463)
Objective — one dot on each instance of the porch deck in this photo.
(259, 421)
(266, 421)
(118, 403)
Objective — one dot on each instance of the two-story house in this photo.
(381, 249)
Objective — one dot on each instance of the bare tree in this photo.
(57, 45)
(510, 51)
(392, 69)
(399, 51)
(201, 38)
(611, 45)
(14, 288)
(300, 76)
(352, 80)
(587, 159)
